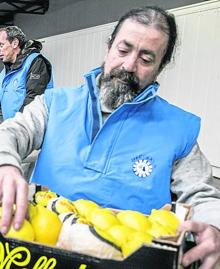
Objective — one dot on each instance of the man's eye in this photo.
(146, 60)
(122, 51)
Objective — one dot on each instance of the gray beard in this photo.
(117, 88)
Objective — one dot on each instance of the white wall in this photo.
(191, 82)
(75, 53)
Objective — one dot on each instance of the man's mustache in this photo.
(122, 76)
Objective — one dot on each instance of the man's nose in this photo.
(130, 63)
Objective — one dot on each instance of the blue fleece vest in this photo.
(126, 162)
(13, 87)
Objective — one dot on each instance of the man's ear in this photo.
(15, 43)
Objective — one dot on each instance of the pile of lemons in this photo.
(127, 229)
(84, 226)
(42, 225)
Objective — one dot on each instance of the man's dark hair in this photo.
(158, 18)
(14, 32)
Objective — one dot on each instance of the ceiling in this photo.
(9, 8)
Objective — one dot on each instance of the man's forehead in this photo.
(146, 37)
(134, 27)
(3, 35)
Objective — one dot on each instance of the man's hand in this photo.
(207, 249)
(13, 190)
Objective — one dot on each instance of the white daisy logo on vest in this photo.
(142, 168)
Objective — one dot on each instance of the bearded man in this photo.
(114, 140)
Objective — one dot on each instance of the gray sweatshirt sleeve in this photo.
(193, 183)
(24, 133)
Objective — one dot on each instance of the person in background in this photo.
(26, 72)
(115, 141)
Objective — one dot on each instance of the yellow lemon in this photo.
(26, 232)
(46, 225)
(120, 234)
(130, 247)
(84, 207)
(164, 222)
(165, 217)
(61, 205)
(103, 234)
(144, 238)
(42, 197)
(137, 239)
(103, 218)
(157, 230)
(96, 210)
(134, 220)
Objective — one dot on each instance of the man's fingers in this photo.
(203, 253)
(209, 262)
(193, 226)
(8, 198)
(196, 253)
(21, 204)
(207, 248)
(14, 192)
